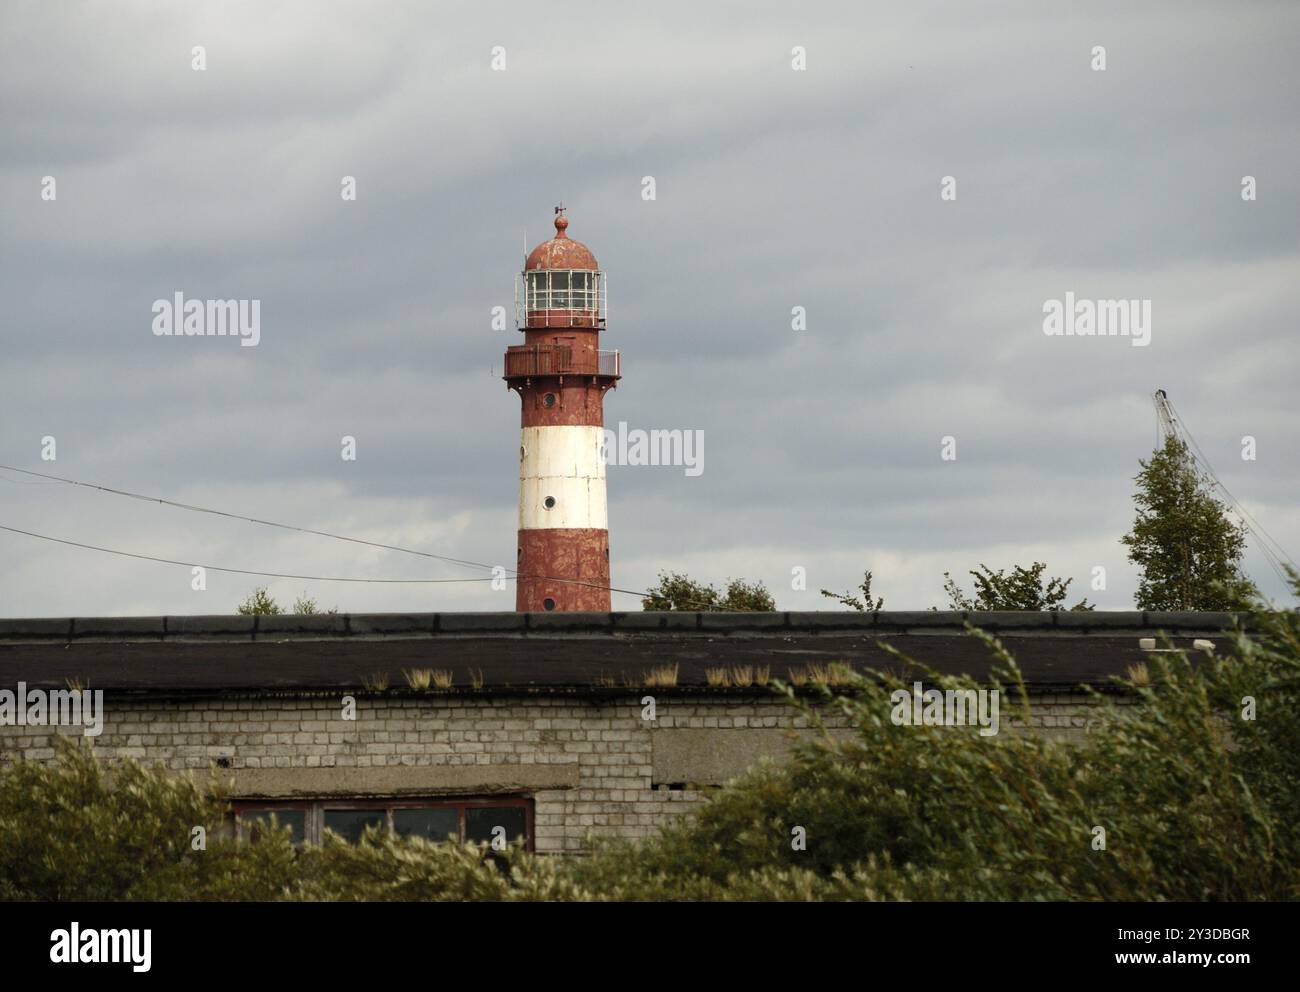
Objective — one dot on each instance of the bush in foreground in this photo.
(1196, 803)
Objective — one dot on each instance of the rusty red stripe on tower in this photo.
(561, 376)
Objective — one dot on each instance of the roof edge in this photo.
(370, 626)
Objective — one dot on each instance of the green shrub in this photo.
(1196, 803)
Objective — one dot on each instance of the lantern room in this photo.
(561, 284)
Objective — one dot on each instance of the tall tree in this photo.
(1188, 549)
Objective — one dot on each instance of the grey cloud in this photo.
(775, 189)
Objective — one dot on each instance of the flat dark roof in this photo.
(533, 652)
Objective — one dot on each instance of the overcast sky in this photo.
(774, 189)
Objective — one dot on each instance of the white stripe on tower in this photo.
(561, 464)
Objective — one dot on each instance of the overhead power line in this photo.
(233, 571)
(1272, 550)
(194, 508)
(235, 516)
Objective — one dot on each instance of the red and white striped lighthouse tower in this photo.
(561, 376)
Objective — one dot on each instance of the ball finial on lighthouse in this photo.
(561, 375)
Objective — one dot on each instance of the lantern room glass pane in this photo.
(559, 290)
(562, 290)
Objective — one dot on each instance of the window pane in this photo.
(481, 820)
(432, 824)
(578, 280)
(254, 821)
(559, 291)
(351, 823)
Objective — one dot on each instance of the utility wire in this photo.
(1275, 555)
(252, 520)
(303, 530)
(234, 571)
(1255, 526)
(319, 578)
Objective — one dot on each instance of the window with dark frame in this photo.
(476, 820)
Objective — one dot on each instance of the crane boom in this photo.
(1164, 415)
(1194, 460)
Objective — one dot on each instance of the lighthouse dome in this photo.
(561, 252)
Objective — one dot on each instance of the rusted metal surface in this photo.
(554, 352)
(550, 556)
(561, 252)
(563, 318)
(559, 359)
(562, 402)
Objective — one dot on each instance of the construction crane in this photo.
(1170, 425)
(1167, 426)
(1164, 415)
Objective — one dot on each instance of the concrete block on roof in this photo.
(486, 622)
(725, 621)
(38, 629)
(292, 624)
(1092, 620)
(119, 627)
(391, 623)
(1012, 619)
(220, 625)
(656, 620)
(598, 622)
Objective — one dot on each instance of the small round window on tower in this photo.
(549, 502)
(548, 400)
(548, 603)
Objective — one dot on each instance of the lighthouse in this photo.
(561, 375)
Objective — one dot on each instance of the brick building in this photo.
(542, 730)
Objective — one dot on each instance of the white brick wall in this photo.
(606, 739)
